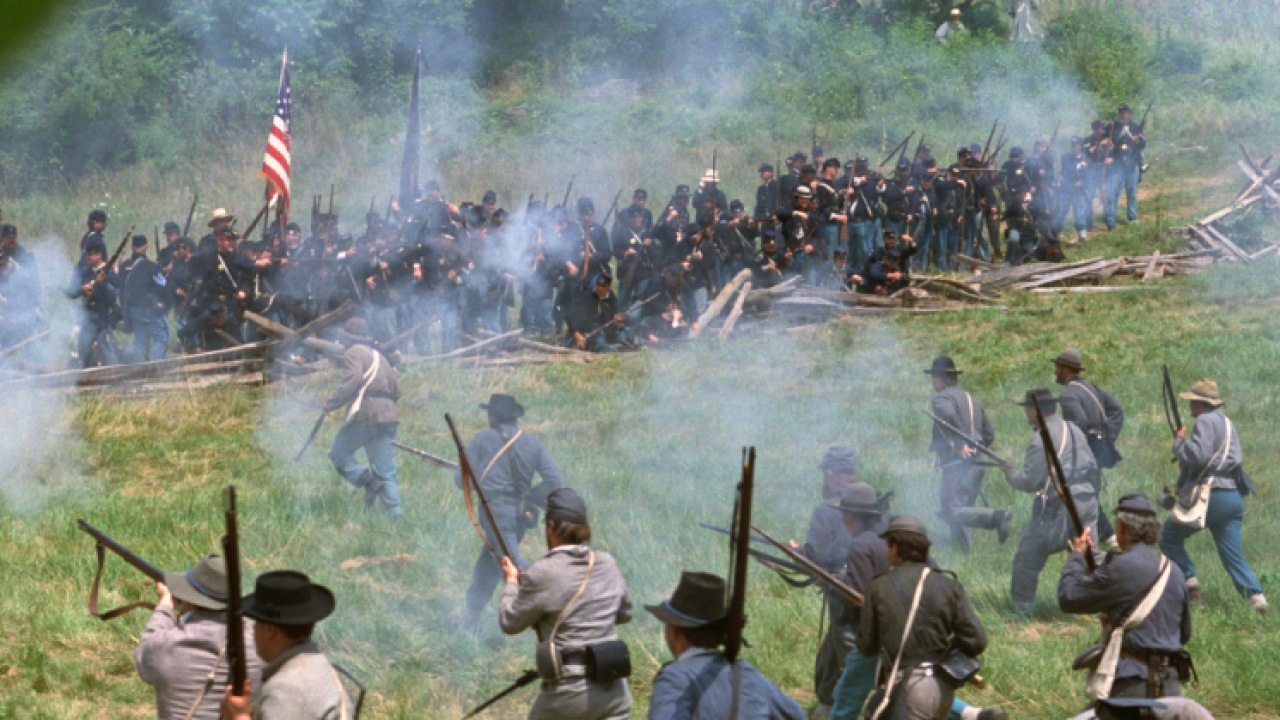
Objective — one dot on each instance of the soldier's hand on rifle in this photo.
(630, 253)
(573, 269)
(453, 275)
(808, 248)
(967, 451)
(579, 341)
(800, 214)
(369, 281)
(241, 295)
(794, 545)
(1007, 467)
(619, 317)
(1082, 544)
(697, 255)
(1180, 433)
(87, 289)
(510, 572)
(686, 266)
(237, 708)
(166, 597)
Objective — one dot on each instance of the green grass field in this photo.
(652, 440)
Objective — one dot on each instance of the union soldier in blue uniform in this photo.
(96, 289)
(144, 302)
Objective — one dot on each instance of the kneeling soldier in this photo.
(1143, 596)
(574, 598)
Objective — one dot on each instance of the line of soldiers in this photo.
(902, 651)
(632, 277)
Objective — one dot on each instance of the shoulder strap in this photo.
(1096, 401)
(973, 431)
(499, 454)
(342, 694)
(1223, 451)
(906, 633)
(1152, 597)
(591, 563)
(369, 375)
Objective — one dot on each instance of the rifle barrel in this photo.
(315, 430)
(814, 569)
(973, 442)
(235, 618)
(190, 214)
(528, 677)
(469, 475)
(125, 554)
(741, 556)
(426, 456)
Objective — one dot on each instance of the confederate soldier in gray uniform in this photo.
(699, 683)
(1050, 528)
(1143, 596)
(827, 544)
(1098, 415)
(184, 661)
(912, 618)
(369, 391)
(1210, 463)
(574, 598)
(298, 681)
(961, 473)
(506, 459)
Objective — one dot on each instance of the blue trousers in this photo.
(150, 335)
(1122, 175)
(1225, 520)
(376, 439)
(948, 244)
(862, 242)
(857, 684)
(926, 245)
(96, 344)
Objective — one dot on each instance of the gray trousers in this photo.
(487, 573)
(582, 699)
(829, 665)
(958, 494)
(1043, 538)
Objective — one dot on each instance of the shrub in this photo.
(1105, 49)
(1177, 55)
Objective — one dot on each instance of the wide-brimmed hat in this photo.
(1205, 391)
(1041, 397)
(503, 406)
(943, 366)
(355, 331)
(906, 524)
(697, 601)
(220, 214)
(1069, 358)
(861, 499)
(287, 597)
(204, 585)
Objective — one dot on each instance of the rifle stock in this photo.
(235, 618)
(1059, 480)
(125, 554)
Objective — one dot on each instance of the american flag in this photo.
(276, 163)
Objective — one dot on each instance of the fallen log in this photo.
(736, 312)
(715, 307)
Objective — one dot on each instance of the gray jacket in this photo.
(1077, 461)
(1196, 453)
(827, 543)
(548, 586)
(699, 686)
(507, 481)
(379, 402)
(175, 660)
(1091, 409)
(965, 413)
(301, 684)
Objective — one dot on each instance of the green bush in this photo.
(1177, 55)
(1238, 78)
(1105, 49)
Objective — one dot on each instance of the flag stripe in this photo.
(277, 162)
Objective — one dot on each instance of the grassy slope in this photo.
(652, 441)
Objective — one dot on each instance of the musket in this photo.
(116, 255)
(156, 237)
(991, 135)
(971, 442)
(1142, 126)
(528, 204)
(257, 219)
(814, 569)
(469, 476)
(919, 145)
(235, 617)
(426, 457)
(190, 214)
(900, 146)
(568, 189)
(528, 677)
(105, 541)
(783, 568)
(331, 203)
(1170, 398)
(626, 312)
(605, 223)
(1059, 480)
(315, 429)
(739, 557)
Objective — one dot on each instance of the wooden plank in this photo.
(275, 329)
(116, 373)
(1259, 180)
(468, 350)
(1238, 205)
(1226, 242)
(715, 307)
(1093, 289)
(1264, 251)
(736, 312)
(785, 287)
(1151, 268)
(1065, 274)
